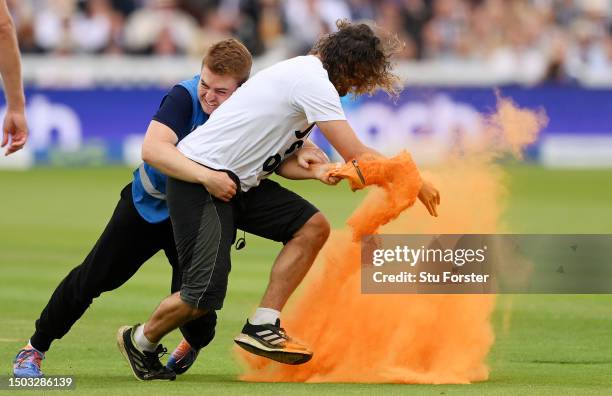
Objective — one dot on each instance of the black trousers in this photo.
(205, 229)
(127, 242)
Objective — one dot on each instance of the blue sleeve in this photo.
(175, 111)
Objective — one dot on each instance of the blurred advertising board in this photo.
(101, 126)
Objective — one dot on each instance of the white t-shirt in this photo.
(265, 120)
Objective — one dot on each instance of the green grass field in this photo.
(556, 344)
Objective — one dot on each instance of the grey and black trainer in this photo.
(145, 365)
(271, 341)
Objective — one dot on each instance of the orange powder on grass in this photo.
(403, 338)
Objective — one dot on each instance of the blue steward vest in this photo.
(149, 184)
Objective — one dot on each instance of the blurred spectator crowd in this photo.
(558, 36)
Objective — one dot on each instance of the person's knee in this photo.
(316, 229)
(192, 313)
(187, 310)
(195, 313)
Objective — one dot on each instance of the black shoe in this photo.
(271, 341)
(145, 365)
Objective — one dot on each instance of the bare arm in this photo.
(10, 61)
(14, 124)
(341, 135)
(159, 150)
(310, 153)
(291, 169)
(309, 144)
(306, 164)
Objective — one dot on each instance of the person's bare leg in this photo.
(171, 313)
(294, 261)
(261, 335)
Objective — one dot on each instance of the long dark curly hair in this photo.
(358, 58)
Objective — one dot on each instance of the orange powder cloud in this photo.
(403, 338)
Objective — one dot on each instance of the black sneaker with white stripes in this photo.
(145, 365)
(271, 341)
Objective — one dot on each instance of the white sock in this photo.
(264, 315)
(141, 341)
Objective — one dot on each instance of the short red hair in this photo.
(229, 58)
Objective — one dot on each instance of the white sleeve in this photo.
(318, 99)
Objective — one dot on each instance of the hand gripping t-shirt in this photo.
(266, 120)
